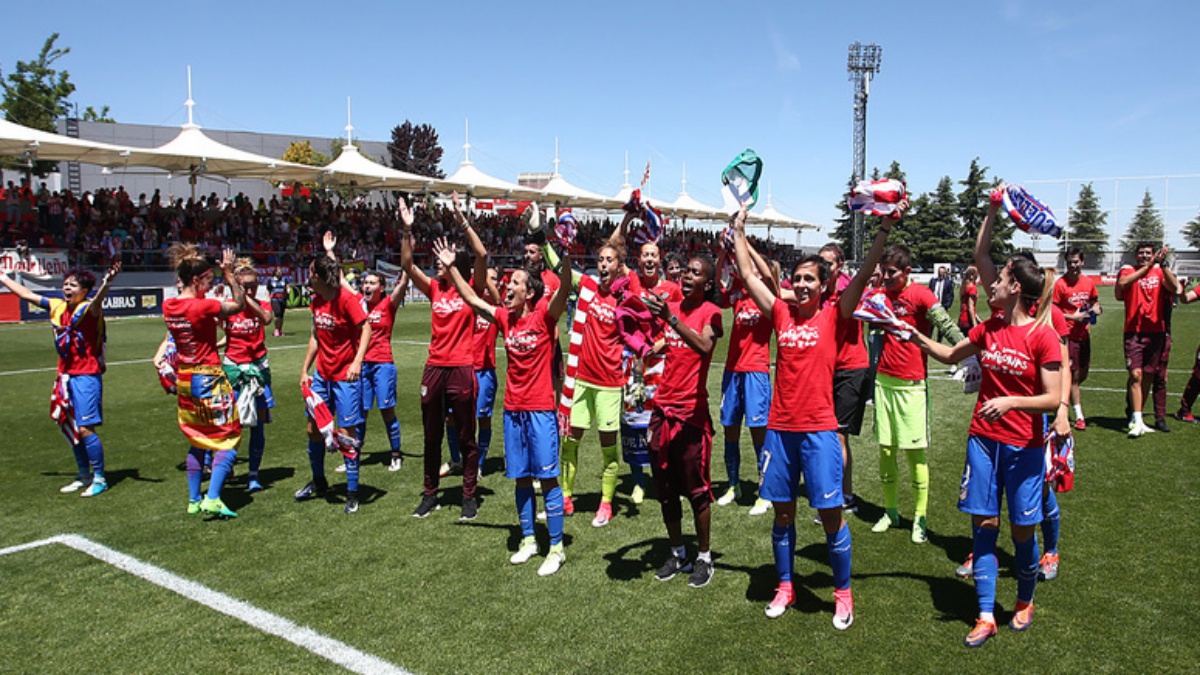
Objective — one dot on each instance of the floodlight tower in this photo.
(862, 64)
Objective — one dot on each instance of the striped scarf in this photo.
(588, 286)
(62, 410)
(335, 440)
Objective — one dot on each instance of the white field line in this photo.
(305, 638)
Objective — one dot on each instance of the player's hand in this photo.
(444, 252)
(305, 379)
(1062, 422)
(994, 409)
(227, 260)
(111, 273)
(739, 221)
(656, 305)
(354, 371)
(406, 214)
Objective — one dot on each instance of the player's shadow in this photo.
(1118, 424)
(953, 598)
(113, 478)
(634, 561)
(513, 542)
(763, 580)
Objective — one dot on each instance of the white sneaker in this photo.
(731, 495)
(527, 550)
(95, 488)
(554, 561)
(1139, 430)
(73, 486)
(760, 507)
(395, 464)
(340, 468)
(638, 495)
(541, 516)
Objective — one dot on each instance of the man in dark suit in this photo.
(943, 287)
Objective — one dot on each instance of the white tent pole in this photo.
(189, 103)
(349, 127)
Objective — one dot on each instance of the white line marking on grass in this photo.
(306, 638)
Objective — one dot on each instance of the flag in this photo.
(565, 229)
(874, 309)
(588, 286)
(335, 440)
(1060, 461)
(741, 178)
(1028, 213)
(877, 197)
(62, 410)
(646, 174)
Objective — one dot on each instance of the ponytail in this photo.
(1043, 317)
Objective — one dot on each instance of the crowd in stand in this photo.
(107, 226)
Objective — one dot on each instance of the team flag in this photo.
(874, 309)
(877, 197)
(565, 229)
(741, 178)
(335, 440)
(1060, 461)
(1027, 212)
(62, 410)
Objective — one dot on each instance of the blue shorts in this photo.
(745, 395)
(87, 394)
(378, 385)
(530, 444)
(816, 454)
(344, 400)
(993, 466)
(485, 402)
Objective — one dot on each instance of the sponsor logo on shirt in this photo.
(799, 337)
(747, 316)
(522, 342)
(242, 325)
(1149, 283)
(1005, 360)
(448, 306)
(603, 313)
(325, 321)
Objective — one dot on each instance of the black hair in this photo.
(1075, 250)
(325, 269)
(836, 250)
(535, 286)
(84, 277)
(824, 269)
(897, 255)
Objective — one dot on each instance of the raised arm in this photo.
(479, 279)
(419, 278)
(19, 290)
(983, 241)
(399, 289)
(1169, 279)
(848, 300)
(105, 284)
(329, 241)
(617, 238)
(558, 301)
(755, 287)
(445, 253)
(768, 274)
(238, 300)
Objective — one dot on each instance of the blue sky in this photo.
(1038, 91)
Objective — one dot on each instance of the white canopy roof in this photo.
(16, 140)
(560, 190)
(352, 168)
(193, 152)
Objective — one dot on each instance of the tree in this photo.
(91, 115)
(301, 152)
(1086, 226)
(415, 149)
(972, 209)
(35, 94)
(843, 231)
(935, 231)
(1191, 232)
(1147, 225)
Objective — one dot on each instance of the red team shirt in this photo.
(193, 324)
(805, 354)
(1143, 304)
(900, 359)
(452, 323)
(83, 352)
(529, 344)
(600, 353)
(483, 343)
(381, 318)
(851, 351)
(683, 391)
(1071, 298)
(750, 338)
(664, 287)
(245, 340)
(336, 324)
(1012, 358)
(968, 291)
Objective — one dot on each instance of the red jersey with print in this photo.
(852, 350)
(600, 353)
(245, 340)
(336, 323)
(381, 317)
(1012, 358)
(1062, 327)
(664, 288)
(452, 323)
(683, 390)
(550, 281)
(483, 343)
(1143, 302)
(529, 344)
(964, 314)
(1072, 298)
(78, 337)
(193, 324)
(805, 355)
(750, 337)
(900, 359)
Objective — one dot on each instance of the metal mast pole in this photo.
(862, 64)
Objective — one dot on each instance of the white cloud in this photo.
(786, 60)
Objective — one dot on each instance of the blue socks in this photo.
(986, 567)
(554, 514)
(95, 454)
(639, 475)
(316, 458)
(1026, 558)
(783, 544)
(839, 556)
(222, 467)
(452, 441)
(393, 434)
(81, 460)
(258, 443)
(1050, 521)
(733, 462)
(195, 464)
(485, 440)
(352, 472)
(525, 507)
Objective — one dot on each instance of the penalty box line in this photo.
(306, 638)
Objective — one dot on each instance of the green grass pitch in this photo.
(438, 595)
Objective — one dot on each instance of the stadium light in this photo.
(862, 63)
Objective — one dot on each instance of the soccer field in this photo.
(438, 595)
